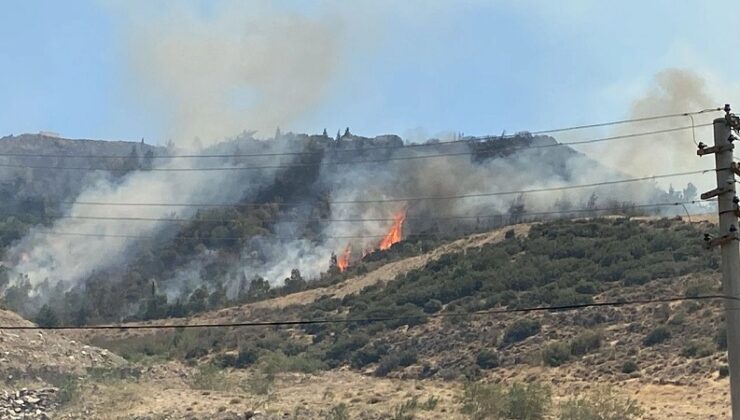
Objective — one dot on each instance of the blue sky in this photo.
(404, 67)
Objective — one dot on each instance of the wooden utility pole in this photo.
(727, 204)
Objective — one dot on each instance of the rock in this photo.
(27, 403)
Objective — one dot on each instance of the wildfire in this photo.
(396, 233)
(343, 260)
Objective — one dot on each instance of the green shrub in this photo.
(601, 404)
(720, 338)
(388, 363)
(368, 354)
(723, 371)
(407, 358)
(555, 354)
(245, 357)
(585, 342)
(629, 367)
(483, 401)
(698, 349)
(210, 377)
(520, 330)
(259, 384)
(657, 336)
(487, 359)
(346, 344)
(69, 390)
(528, 402)
(46, 317)
(338, 412)
(277, 362)
(494, 401)
(636, 277)
(699, 288)
(432, 306)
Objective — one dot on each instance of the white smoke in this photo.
(215, 75)
(255, 68)
(242, 65)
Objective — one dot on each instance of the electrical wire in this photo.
(301, 322)
(415, 145)
(356, 162)
(391, 200)
(416, 235)
(364, 220)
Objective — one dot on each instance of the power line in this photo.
(626, 206)
(340, 163)
(468, 139)
(391, 200)
(416, 235)
(375, 319)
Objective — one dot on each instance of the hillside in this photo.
(668, 357)
(280, 227)
(28, 162)
(32, 189)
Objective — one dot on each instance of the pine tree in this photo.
(47, 317)
(131, 162)
(148, 160)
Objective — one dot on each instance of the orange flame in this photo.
(396, 233)
(343, 260)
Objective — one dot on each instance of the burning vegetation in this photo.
(343, 259)
(394, 235)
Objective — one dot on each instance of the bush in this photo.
(69, 390)
(391, 362)
(338, 412)
(555, 354)
(407, 358)
(723, 371)
(260, 384)
(277, 362)
(601, 404)
(388, 364)
(210, 377)
(656, 336)
(483, 401)
(487, 359)
(368, 354)
(636, 277)
(47, 318)
(346, 344)
(432, 306)
(629, 367)
(720, 338)
(528, 402)
(585, 342)
(246, 357)
(698, 349)
(521, 330)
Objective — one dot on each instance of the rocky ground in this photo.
(28, 403)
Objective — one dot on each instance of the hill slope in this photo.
(668, 357)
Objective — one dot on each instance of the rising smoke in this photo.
(222, 73)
